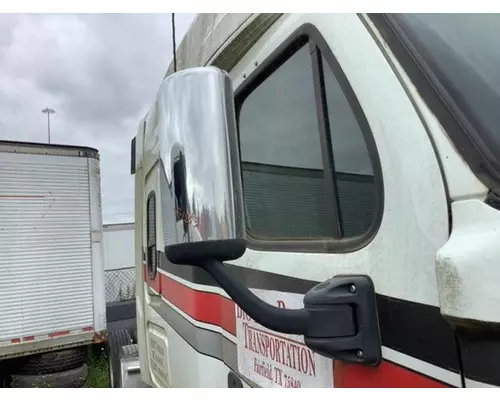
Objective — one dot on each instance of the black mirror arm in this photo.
(274, 318)
(339, 318)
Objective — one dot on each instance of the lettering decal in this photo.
(273, 359)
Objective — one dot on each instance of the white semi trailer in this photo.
(52, 300)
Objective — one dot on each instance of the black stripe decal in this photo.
(481, 355)
(415, 329)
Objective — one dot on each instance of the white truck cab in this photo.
(317, 204)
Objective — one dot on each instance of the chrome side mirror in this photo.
(204, 225)
(201, 172)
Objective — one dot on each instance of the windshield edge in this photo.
(471, 145)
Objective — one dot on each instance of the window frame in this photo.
(308, 35)
(152, 269)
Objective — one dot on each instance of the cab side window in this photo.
(151, 235)
(306, 169)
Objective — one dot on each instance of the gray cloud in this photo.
(100, 72)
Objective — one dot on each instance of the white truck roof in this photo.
(212, 39)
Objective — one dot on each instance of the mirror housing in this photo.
(204, 222)
(201, 171)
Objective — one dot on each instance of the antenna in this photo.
(173, 42)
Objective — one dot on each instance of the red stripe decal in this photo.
(212, 308)
(155, 283)
(57, 334)
(88, 329)
(15, 341)
(28, 338)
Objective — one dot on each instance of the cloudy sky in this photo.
(99, 72)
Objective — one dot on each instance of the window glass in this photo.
(151, 234)
(286, 191)
(283, 180)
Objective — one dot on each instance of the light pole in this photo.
(48, 111)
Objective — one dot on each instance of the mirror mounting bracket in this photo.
(339, 319)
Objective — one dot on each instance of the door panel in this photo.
(291, 195)
(330, 216)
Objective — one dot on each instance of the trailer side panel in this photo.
(46, 273)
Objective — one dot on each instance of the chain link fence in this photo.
(119, 284)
